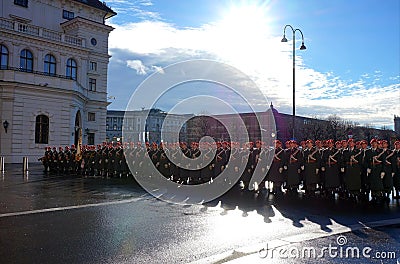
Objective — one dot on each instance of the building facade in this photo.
(152, 125)
(53, 74)
(306, 128)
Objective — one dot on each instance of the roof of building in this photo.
(99, 5)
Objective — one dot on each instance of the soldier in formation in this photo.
(348, 169)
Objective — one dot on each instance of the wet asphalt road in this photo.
(65, 219)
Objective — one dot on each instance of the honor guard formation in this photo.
(353, 170)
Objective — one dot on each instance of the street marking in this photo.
(56, 209)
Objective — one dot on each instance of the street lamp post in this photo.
(302, 47)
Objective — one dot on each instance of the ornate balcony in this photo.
(40, 32)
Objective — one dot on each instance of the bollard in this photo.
(25, 164)
(2, 164)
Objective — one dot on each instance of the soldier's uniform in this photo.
(68, 162)
(388, 168)
(247, 159)
(321, 174)
(45, 159)
(342, 173)
(352, 177)
(365, 188)
(286, 162)
(175, 154)
(295, 161)
(233, 169)
(311, 167)
(260, 158)
(376, 170)
(184, 172)
(164, 162)
(330, 164)
(396, 177)
(195, 175)
(275, 173)
(73, 162)
(208, 163)
(220, 160)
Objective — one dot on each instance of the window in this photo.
(26, 61)
(92, 84)
(115, 127)
(23, 3)
(90, 138)
(3, 57)
(49, 64)
(91, 116)
(93, 66)
(71, 69)
(42, 129)
(107, 127)
(68, 14)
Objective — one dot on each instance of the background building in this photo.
(154, 126)
(306, 128)
(144, 126)
(53, 74)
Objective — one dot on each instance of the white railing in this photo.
(26, 28)
(40, 32)
(73, 40)
(7, 24)
(52, 35)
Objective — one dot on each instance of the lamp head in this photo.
(302, 47)
(284, 39)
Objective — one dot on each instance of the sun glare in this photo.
(242, 30)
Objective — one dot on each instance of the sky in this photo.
(351, 67)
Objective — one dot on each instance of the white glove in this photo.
(322, 168)
(342, 169)
(280, 170)
(316, 171)
(382, 174)
(285, 167)
(298, 171)
(302, 167)
(392, 174)
(368, 170)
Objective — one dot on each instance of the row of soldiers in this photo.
(352, 169)
(349, 168)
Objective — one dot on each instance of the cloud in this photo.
(138, 66)
(149, 45)
(134, 9)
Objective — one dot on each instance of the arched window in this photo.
(42, 129)
(71, 69)
(50, 64)
(26, 60)
(3, 57)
